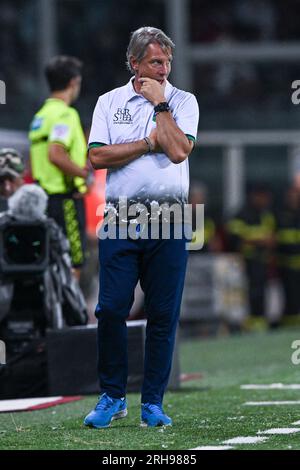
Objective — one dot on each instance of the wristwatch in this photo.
(161, 107)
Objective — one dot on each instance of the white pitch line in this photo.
(271, 403)
(212, 448)
(275, 386)
(22, 404)
(280, 431)
(245, 440)
(256, 439)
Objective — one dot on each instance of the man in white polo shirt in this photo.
(143, 134)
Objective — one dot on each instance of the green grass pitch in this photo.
(205, 412)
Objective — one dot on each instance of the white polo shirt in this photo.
(121, 116)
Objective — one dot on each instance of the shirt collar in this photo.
(133, 94)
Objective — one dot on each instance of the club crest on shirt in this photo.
(122, 116)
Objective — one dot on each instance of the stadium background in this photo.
(240, 58)
(233, 92)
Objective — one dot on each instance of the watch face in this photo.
(162, 107)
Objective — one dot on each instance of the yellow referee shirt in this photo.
(56, 122)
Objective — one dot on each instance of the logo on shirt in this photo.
(36, 123)
(122, 116)
(60, 132)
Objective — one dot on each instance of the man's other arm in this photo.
(171, 139)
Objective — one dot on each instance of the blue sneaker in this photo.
(154, 415)
(106, 410)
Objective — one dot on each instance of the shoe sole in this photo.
(119, 415)
(144, 424)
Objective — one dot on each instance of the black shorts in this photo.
(69, 214)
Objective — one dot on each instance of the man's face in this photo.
(156, 64)
(9, 185)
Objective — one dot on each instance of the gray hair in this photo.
(140, 40)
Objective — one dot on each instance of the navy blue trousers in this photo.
(160, 266)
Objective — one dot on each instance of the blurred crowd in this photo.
(267, 237)
(93, 31)
(235, 84)
(239, 85)
(244, 20)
